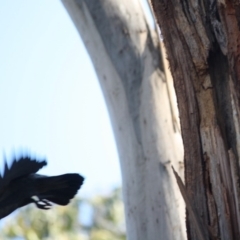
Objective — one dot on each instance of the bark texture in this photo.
(202, 41)
(126, 56)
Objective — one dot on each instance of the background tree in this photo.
(202, 42)
(108, 217)
(126, 56)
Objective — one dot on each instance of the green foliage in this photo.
(33, 224)
(62, 223)
(108, 218)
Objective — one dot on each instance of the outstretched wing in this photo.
(20, 167)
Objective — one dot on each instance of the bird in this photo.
(20, 185)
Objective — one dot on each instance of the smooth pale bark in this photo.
(202, 42)
(127, 60)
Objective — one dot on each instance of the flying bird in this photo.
(20, 185)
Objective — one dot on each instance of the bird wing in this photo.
(20, 167)
(58, 189)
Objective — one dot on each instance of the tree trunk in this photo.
(127, 60)
(202, 42)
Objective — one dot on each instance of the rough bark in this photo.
(127, 60)
(202, 42)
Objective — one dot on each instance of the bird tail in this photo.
(59, 189)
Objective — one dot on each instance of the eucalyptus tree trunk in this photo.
(127, 59)
(202, 42)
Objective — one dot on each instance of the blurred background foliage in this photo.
(98, 218)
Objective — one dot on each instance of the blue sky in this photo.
(50, 100)
(51, 103)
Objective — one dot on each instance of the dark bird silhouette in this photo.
(20, 185)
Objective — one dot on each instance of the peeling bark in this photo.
(202, 42)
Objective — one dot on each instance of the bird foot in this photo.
(42, 203)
